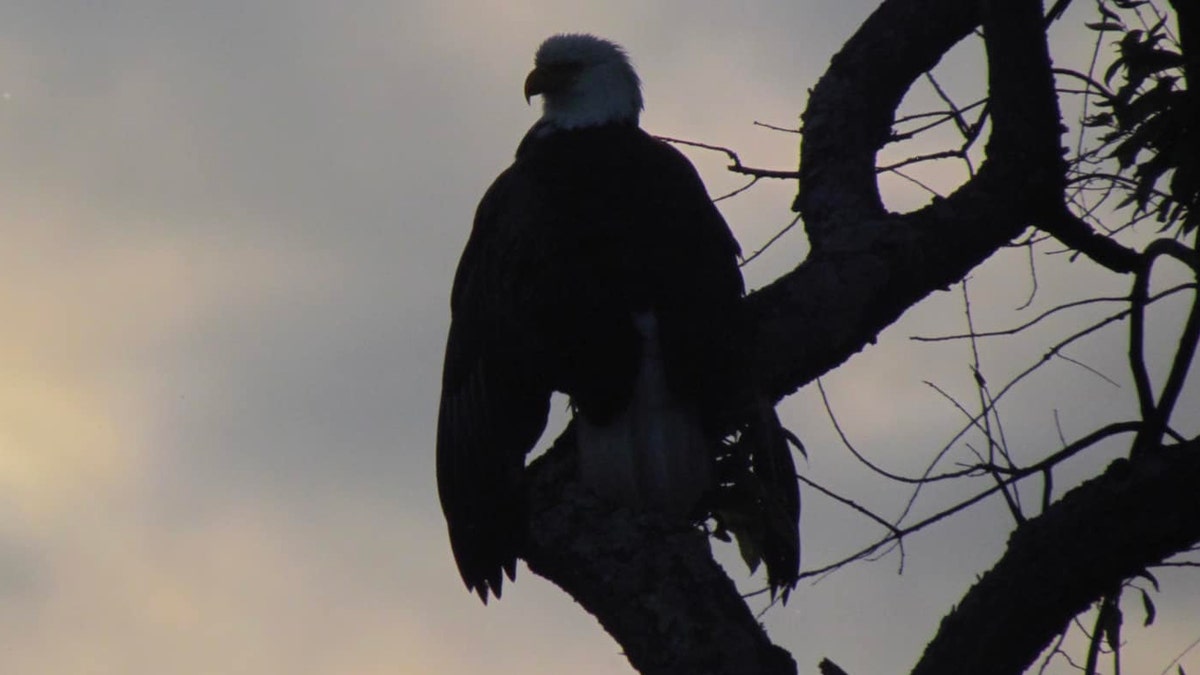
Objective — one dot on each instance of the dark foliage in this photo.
(1152, 122)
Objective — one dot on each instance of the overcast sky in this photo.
(229, 231)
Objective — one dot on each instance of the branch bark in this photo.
(866, 266)
(652, 584)
(1136, 514)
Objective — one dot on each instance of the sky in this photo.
(229, 232)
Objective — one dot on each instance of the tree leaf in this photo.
(1098, 120)
(1109, 14)
(1112, 626)
(1145, 574)
(1148, 605)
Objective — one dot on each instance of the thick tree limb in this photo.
(653, 584)
(1074, 233)
(867, 266)
(1101, 533)
(656, 589)
(850, 111)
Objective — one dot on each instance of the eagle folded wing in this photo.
(493, 408)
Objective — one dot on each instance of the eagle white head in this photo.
(584, 81)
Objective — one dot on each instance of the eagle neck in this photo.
(544, 131)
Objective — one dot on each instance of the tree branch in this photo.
(1077, 234)
(867, 267)
(651, 582)
(1136, 514)
(850, 111)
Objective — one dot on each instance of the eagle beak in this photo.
(548, 80)
(535, 83)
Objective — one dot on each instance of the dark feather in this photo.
(758, 500)
(586, 227)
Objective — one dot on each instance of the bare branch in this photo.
(915, 159)
(854, 505)
(777, 236)
(738, 191)
(772, 127)
(737, 166)
(1017, 475)
(1157, 415)
(871, 465)
(1054, 310)
(1135, 514)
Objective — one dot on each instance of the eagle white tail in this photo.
(654, 454)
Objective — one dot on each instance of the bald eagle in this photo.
(599, 267)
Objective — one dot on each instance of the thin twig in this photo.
(1088, 368)
(1055, 650)
(942, 116)
(738, 191)
(916, 182)
(963, 127)
(854, 451)
(916, 159)
(1180, 655)
(1180, 367)
(772, 127)
(1060, 456)
(1014, 505)
(746, 261)
(1070, 305)
(1032, 275)
(848, 502)
(737, 166)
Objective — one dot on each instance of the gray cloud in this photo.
(232, 232)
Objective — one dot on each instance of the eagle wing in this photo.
(495, 398)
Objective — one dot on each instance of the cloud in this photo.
(230, 233)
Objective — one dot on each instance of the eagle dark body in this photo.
(627, 227)
(598, 266)
(585, 229)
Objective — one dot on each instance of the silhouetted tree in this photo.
(654, 585)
